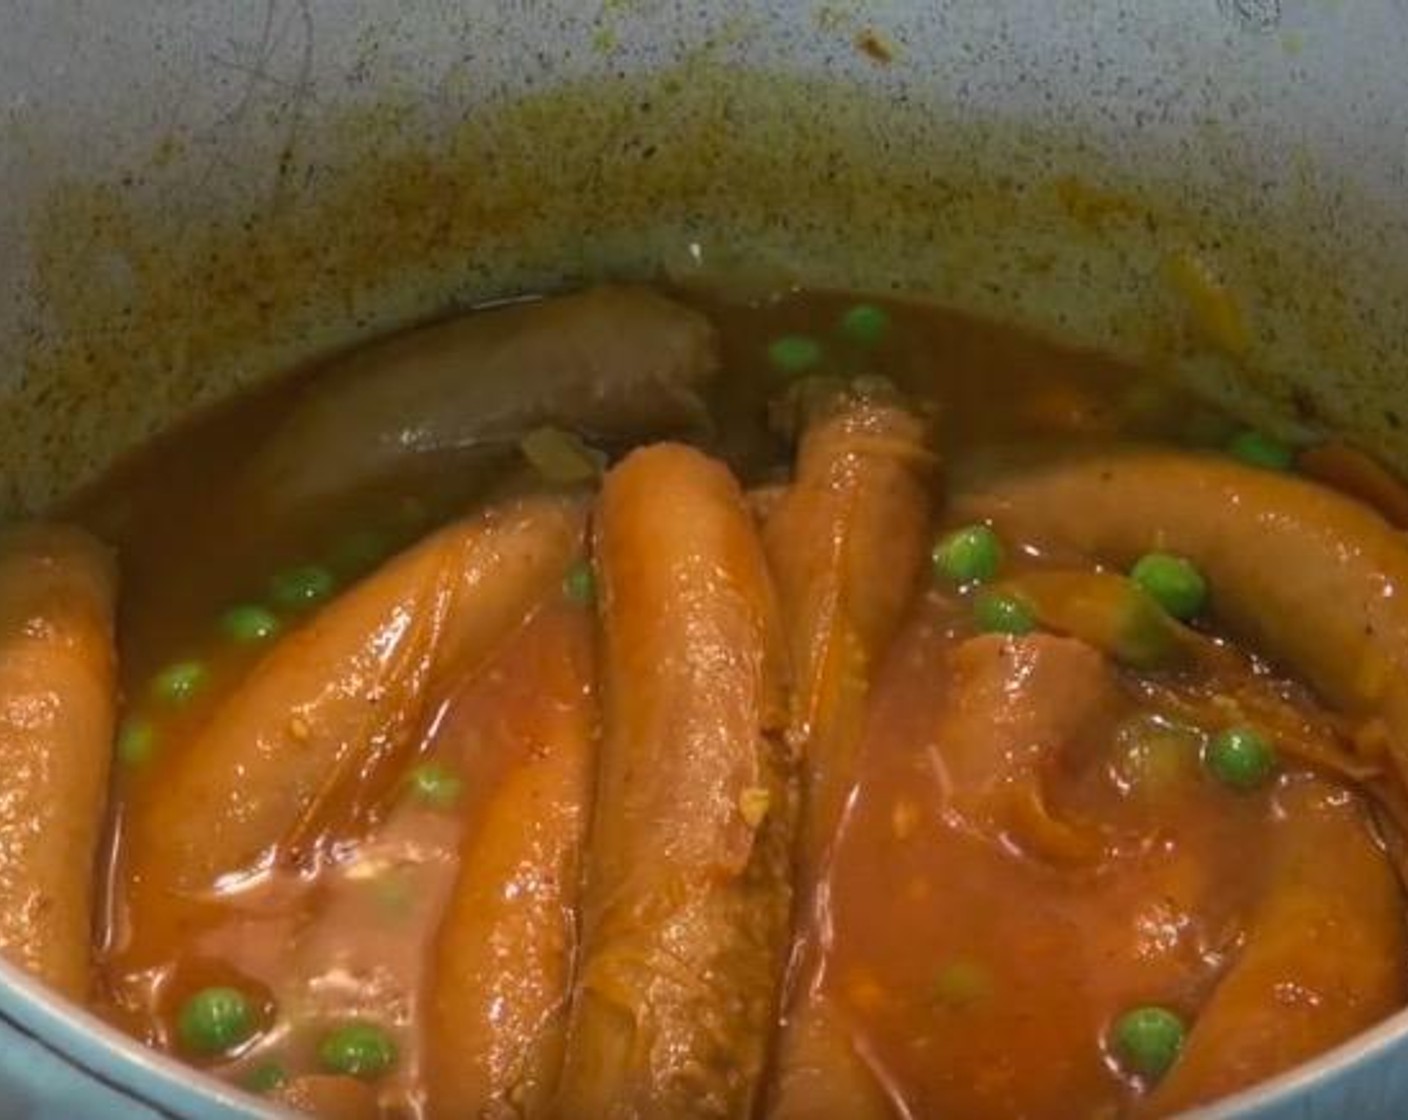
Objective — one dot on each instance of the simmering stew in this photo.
(652, 704)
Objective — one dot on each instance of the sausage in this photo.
(57, 699)
(1323, 960)
(820, 1071)
(846, 542)
(497, 1013)
(1017, 709)
(329, 1097)
(687, 897)
(1307, 576)
(461, 948)
(312, 738)
(609, 362)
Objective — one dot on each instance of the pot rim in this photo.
(102, 1053)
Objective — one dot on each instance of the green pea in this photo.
(361, 1050)
(249, 623)
(136, 742)
(435, 784)
(865, 324)
(968, 555)
(301, 587)
(1147, 1040)
(265, 1078)
(1240, 758)
(795, 354)
(999, 612)
(962, 983)
(579, 584)
(215, 1021)
(393, 893)
(1260, 450)
(1172, 582)
(178, 682)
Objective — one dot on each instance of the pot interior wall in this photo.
(199, 197)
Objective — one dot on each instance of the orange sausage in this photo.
(1324, 957)
(608, 362)
(1355, 473)
(497, 1009)
(820, 1071)
(329, 1098)
(687, 897)
(1307, 576)
(312, 738)
(57, 682)
(846, 542)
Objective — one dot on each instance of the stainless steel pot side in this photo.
(195, 195)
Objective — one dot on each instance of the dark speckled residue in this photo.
(1252, 15)
(764, 174)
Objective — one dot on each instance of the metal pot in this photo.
(199, 194)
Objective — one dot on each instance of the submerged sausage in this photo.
(329, 1098)
(1017, 710)
(970, 763)
(821, 1071)
(846, 542)
(1307, 576)
(57, 672)
(687, 898)
(609, 363)
(1324, 956)
(451, 925)
(497, 1008)
(328, 715)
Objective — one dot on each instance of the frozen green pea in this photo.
(1172, 582)
(301, 587)
(795, 354)
(962, 983)
(435, 784)
(359, 1049)
(136, 742)
(971, 554)
(1261, 450)
(1241, 758)
(394, 893)
(1148, 1040)
(998, 612)
(579, 584)
(215, 1021)
(178, 682)
(249, 624)
(265, 1078)
(865, 324)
